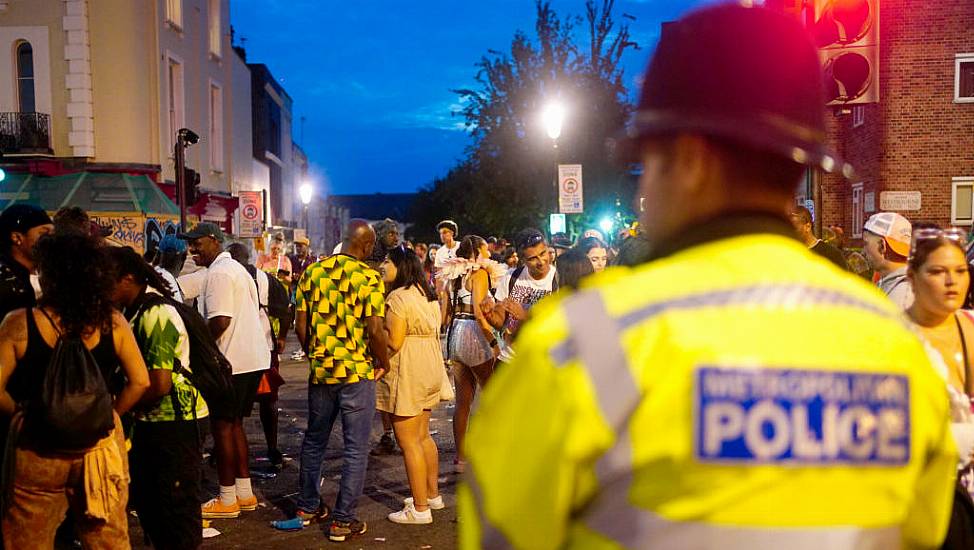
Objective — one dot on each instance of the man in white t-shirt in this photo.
(523, 287)
(448, 231)
(448, 236)
(229, 303)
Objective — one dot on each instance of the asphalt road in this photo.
(385, 486)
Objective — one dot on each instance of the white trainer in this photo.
(434, 503)
(410, 516)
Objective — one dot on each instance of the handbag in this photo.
(447, 393)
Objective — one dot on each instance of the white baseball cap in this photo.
(893, 227)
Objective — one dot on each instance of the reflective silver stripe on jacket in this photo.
(595, 339)
(490, 536)
(787, 296)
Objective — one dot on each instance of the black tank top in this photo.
(25, 383)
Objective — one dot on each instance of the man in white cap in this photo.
(887, 247)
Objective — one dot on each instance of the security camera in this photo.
(188, 136)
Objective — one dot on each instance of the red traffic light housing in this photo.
(847, 34)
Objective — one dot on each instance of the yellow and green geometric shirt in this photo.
(161, 336)
(339, 293)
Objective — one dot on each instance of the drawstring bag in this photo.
(74, 410)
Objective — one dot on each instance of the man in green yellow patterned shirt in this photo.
(165, 462)
(340, 306)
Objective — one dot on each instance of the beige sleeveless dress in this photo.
(416, 373)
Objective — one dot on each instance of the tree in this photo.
(507, 180)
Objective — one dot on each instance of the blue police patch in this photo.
(801, 416)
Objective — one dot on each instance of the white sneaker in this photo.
(434, 503)
(410, 516)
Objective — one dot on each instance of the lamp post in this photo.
(306, 191)
(553, 118)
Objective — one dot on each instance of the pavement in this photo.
(385, 485)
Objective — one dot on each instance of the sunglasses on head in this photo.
(925, 234)
(533, 240)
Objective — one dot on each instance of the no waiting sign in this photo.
(251, 205)
(570, 199)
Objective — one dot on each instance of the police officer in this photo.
(681, 404)
(21, 225)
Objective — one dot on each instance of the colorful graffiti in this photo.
(139, 231)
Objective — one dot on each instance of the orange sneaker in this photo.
(247, 504)
(216, 509)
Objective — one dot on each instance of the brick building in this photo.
(919, 137)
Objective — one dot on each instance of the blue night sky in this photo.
(373, 77)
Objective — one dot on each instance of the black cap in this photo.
(21, 218)
(204, 229)
(561, 240)
(748, 75)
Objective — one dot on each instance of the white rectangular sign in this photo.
(869, 206)
(899, 200)
(251, 214)
(570, 189)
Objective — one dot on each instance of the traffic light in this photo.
(847, 34)
(191, 179)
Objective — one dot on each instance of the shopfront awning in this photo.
(92, 191)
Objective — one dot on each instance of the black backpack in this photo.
(210, 371)
(74, 410)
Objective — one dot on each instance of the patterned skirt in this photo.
(467, 343)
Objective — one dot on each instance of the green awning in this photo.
(92, 191)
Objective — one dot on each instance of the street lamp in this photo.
(184, 138)
(553, 117)
(305, 191)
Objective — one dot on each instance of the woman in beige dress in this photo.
(412, 386)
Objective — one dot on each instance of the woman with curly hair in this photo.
(77, 283)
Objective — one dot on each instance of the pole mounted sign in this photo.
(570, 189)
(251, 206)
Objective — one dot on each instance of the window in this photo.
(175, 96)
(962, 201)
(858, 115)
(857, 221)
(25, 78)
(216, 127)
(216, 37)
(174, 13)
(964, 78)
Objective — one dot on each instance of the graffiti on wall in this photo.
(141, 232)
(156, 229)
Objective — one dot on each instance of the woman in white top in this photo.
(939, 275)
(470, 340)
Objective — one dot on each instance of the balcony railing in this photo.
(25, 133)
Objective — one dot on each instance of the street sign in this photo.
(810, 205)
(251, 206)
(556, 223)
(899, 201)
(570, 194)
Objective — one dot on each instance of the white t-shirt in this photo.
(166, 276)
(527, 291)
(229, 291)
(443, 254)
(192, 284)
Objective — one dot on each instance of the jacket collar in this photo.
(725, 226)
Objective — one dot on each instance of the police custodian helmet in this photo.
(747, 75)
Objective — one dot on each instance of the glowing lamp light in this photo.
(605, 224)
(553, 117)
(3, 174)
(306, 191)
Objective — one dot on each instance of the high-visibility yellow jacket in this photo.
(740, 393)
